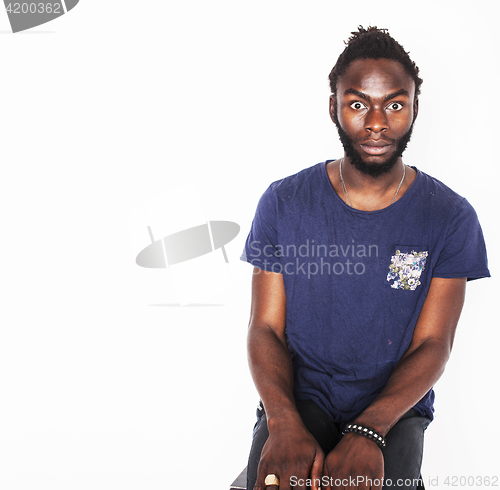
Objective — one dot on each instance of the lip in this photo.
(375, 147)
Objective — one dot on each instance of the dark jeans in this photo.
(402, 454)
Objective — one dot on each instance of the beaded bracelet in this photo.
(365, 431)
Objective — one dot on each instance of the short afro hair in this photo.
(373, 43)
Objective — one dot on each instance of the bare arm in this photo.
(290, 449)
(268, 355)
(416, 373)
(425, 360)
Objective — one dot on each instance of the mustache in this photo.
(356, 159)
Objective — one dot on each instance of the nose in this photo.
(376, 120)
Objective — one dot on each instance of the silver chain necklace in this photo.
(346, 193)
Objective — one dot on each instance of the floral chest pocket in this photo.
(406, 267)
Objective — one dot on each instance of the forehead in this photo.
(376, 78)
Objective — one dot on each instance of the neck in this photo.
(368, 193)
(364, 184)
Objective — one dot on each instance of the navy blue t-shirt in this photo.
(355, 281)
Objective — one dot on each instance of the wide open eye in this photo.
(357, 105)
(395, 106)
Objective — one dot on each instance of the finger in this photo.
(326, 478)
(269, 482)
(335, 481)
(286, 481)
(262, 472)
(342, 483)
(377, 483)
(267, 478)
(350, 482)
(356, 481)
(317, 471)
(298, 480)
(372, 481)
(364, 483)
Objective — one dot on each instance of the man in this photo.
(359, 280)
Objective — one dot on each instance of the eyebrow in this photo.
(368, 98)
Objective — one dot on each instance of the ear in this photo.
(333, 108)
(415, 109)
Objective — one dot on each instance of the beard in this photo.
(372, 169)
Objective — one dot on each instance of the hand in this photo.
(356, 462)
(294, 456)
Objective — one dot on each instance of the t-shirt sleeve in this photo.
(464, 250)
(261, 247)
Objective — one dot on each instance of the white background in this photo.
(185, 111)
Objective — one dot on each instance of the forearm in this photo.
(272, 372)
(413, 377)
(424, 362)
